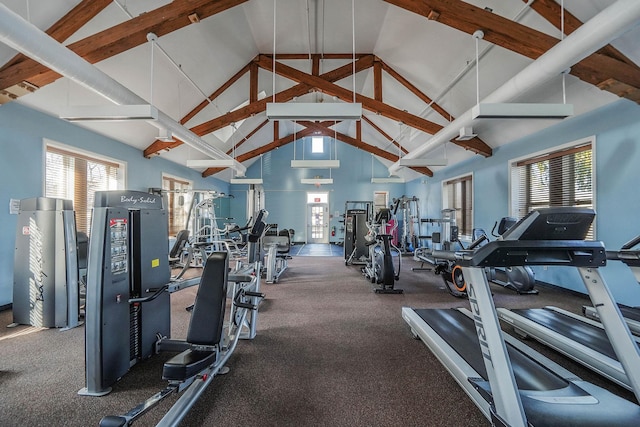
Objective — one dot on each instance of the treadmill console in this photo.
(559, 223)
(549, 236)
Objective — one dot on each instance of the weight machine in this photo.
(444, 239)
(45, 276)
(410, 224)
(128, 303)
(357, 215)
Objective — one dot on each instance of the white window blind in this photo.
(558, 178)
(458, 195)
(77, 177)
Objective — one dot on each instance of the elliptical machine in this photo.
(380, 268)
(519, 278)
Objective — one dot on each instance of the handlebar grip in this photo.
(245, 305)
(631, 243)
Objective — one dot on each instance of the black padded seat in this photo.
(207, 320)
(187, 364)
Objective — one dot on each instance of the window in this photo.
(458, 194)
(380, 200)
(178, 201)
(317, 144)
(563, 177)
(74, 176)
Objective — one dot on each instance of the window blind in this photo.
(559, 178)
(77, 177)
(459, 196)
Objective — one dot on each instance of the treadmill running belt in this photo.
(453, 325)
(547, 399)
(593, 337)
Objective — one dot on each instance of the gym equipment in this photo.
(631, 257)
(45, 275)
(509, 382)
(209, 342)
(380, 268)
(357, 215)
(410, 224)
(445, 239)
(450, 271)
(519, 278)
(278, 247)
(576, 337)
(128, 263)
(581, 339)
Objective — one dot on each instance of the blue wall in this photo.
(617, 154)
(286, 197)
(22, 169)
(616, 128)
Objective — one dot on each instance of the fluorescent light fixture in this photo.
(423, 162)
(211, 163)
(521, 111)
(388, 180)
(316, 181)
(245, 181)
(319, 164)
(466, 133)
(314, 111)
(109, 112)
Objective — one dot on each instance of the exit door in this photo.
(317, 223)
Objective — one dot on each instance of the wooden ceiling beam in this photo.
(120, 38)
(551, 11)
(377, 81)
(417, 92)
(248, 136)
(354, 142)
(364, 62)
(384, 134)
(262, 150)
(226, 85)
(370, 104)
(347, 95)
(518, 38)
(66, 26)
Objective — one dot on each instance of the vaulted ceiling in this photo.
(411, 63)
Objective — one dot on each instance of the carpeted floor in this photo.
(329, 352)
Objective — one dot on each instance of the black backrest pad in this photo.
(207, 317)
(178, 246)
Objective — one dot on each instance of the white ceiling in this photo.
(430, 55)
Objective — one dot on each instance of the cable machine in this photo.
(357, 215)
(410, 224)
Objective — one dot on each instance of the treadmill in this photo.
(508, 381)
(581, 339)
(631, 257)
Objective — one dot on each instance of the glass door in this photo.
(317, 223)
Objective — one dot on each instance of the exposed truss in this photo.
(607, 69)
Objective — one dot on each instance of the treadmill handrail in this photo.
(510, 253)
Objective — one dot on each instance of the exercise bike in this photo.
(519, 278)
(380, 268)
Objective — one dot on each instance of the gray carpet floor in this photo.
(329, 352)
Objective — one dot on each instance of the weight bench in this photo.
(207, 347)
